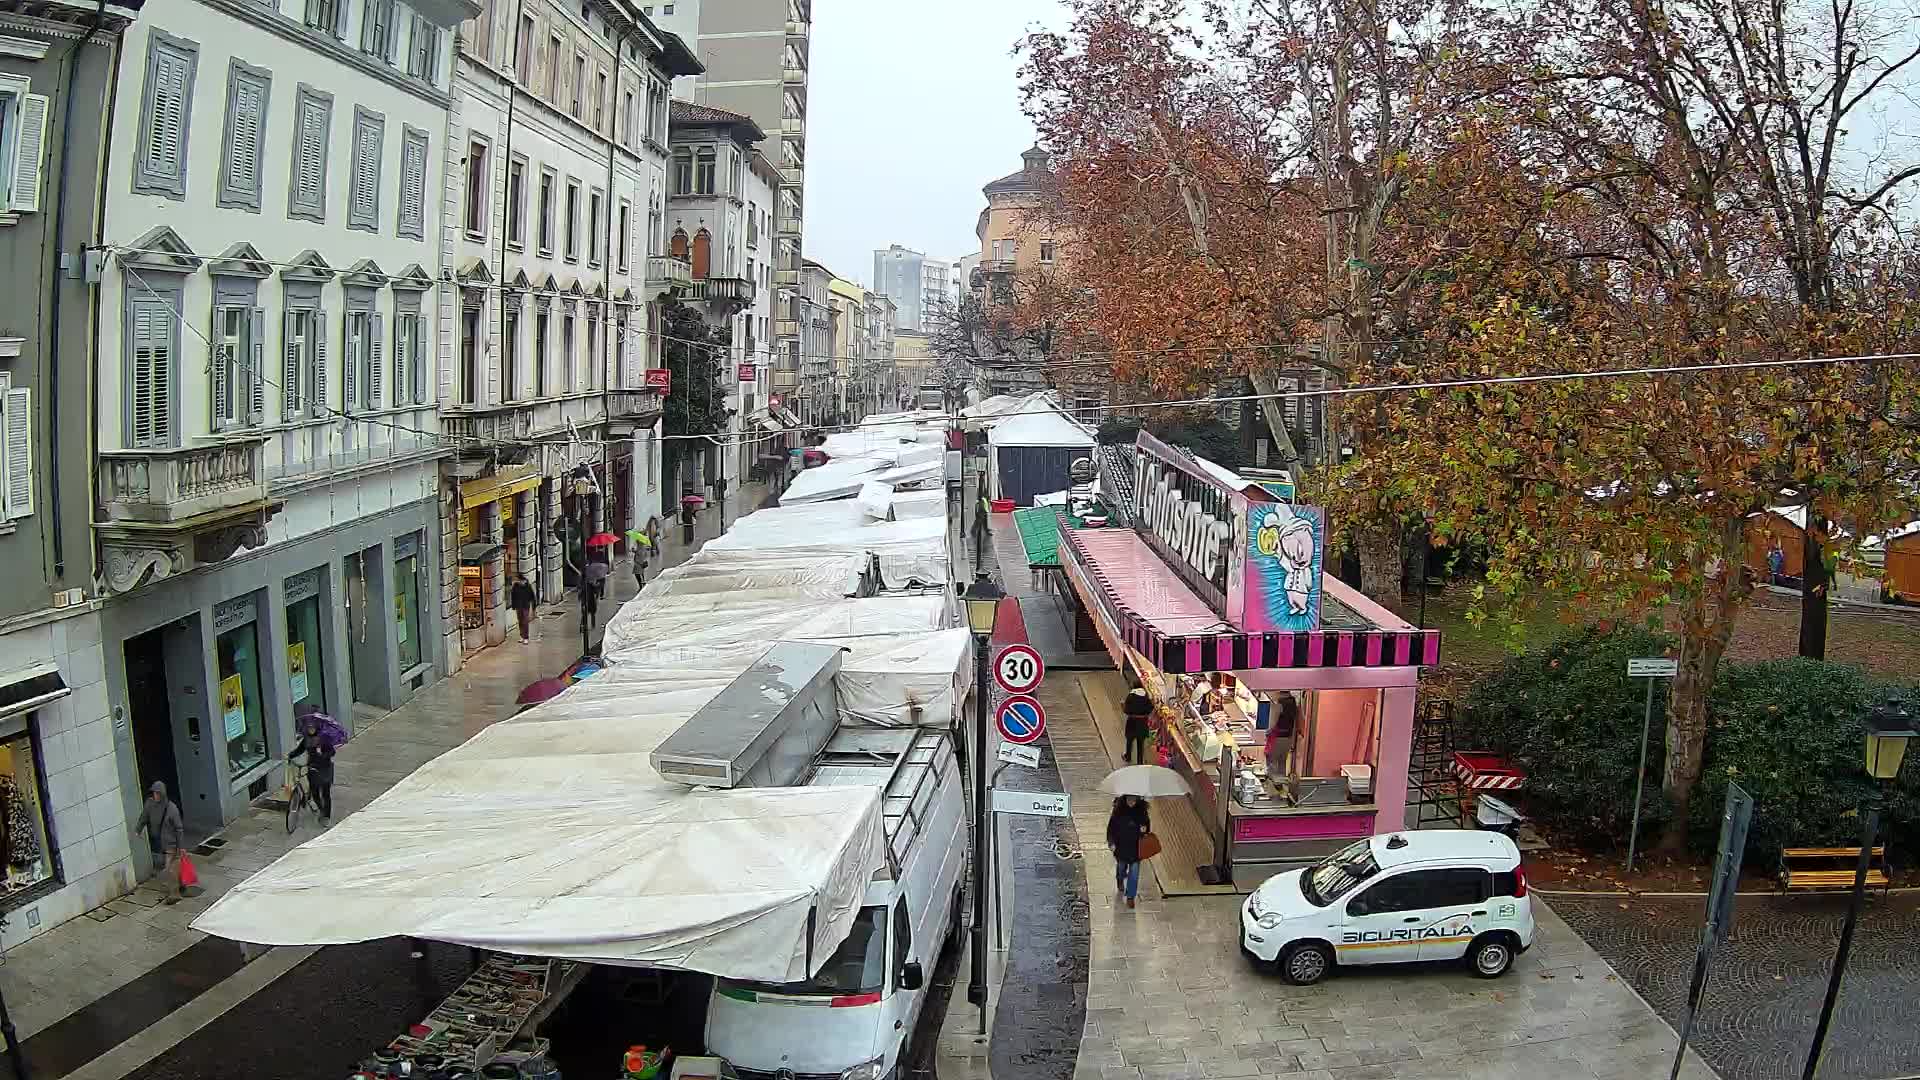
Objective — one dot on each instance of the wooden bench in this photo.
(1811, 868)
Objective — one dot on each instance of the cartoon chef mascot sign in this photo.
(1284, 555)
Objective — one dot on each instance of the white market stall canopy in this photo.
(1039, 428)
(550, 834)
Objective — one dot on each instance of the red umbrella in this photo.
(602, 540)
(540, 690)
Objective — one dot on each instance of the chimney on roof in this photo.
(1035, 159)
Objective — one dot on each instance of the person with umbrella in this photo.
(1126, 827)
(1130, 826)
(318, 746)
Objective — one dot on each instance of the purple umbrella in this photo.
(540, 690)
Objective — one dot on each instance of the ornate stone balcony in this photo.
(169, 510)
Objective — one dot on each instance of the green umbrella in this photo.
(639, 537)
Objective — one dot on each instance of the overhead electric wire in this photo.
(724, 439)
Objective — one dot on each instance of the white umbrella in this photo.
(1146, 781)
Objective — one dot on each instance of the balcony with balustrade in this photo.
(167, 510)
(668, 275)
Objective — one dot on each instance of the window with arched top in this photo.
(677, 247)
(702, 253)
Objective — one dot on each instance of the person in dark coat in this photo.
(1139, 710)
(1125, 826)
(318, 750)
(520, 599)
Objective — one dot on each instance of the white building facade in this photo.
(554, 211)
(268, 355)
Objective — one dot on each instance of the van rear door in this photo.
(828, 1024)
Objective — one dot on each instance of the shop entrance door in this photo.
(354, 584)
(152, 719)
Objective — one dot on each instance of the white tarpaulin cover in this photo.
(1040, 428)
(876, 500)
(550, 834)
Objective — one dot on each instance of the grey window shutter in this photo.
(243, 170)
(416, 359)
(376, 363)
(29, 152)
(290, 368)
(150, 413)
(223, 359)
(169, 115)
(318, 406)
(352, 343)
(257, 367)
(19, 440)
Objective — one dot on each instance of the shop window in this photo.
(406, 601)
(26, 852)
(306, 657)
(240, 714)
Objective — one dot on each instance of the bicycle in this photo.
(297, 797)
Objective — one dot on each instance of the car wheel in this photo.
(1305, 963)
(1491, 956)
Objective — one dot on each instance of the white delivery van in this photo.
(1441, 894)
(852, 1020)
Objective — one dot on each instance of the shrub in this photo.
(1568, 715)
(1788, 731)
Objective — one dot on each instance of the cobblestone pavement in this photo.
(1766, 985)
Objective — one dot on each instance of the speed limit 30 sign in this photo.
(1018, 669)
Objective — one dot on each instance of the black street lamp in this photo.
(983, 608)
(1889, 727)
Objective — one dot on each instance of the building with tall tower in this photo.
(756, 56)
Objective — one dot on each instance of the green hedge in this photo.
(1788, 730)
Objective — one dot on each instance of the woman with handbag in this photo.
(1127, 827)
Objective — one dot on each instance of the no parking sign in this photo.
(1022, 719)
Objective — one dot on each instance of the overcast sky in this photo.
(913, 107)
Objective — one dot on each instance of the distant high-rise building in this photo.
(919, 286)
(756, 54)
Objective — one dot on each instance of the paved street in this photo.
(1767, 984)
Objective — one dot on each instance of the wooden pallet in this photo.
(1185, 845)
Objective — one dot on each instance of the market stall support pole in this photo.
(18, 1059)
(1868, 830)
(977, 985)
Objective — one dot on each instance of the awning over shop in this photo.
(765, 421)
(30, 688)
(786, 416)
(1141, 602)
(493, 488)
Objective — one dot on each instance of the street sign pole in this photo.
(1650, 669)
(1735, 816)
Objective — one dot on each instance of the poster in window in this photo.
(297, 669)
(233, 707)
(400, 615)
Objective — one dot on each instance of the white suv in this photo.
(1434, 895)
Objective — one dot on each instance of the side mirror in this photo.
(911, 977)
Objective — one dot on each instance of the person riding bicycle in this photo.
(319, 750)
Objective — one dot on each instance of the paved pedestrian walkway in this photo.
(53, 982)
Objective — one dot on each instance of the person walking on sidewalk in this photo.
(1138, 708)
(319, 751)
(521, 601)
(1128, 823)
(160, 820)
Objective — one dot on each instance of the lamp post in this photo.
(1889, 726)
(983, 607)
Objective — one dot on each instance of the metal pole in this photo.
(1640, 777)
(977, 988)
(1701, 973)
(1868, 831)
(14, 1053)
